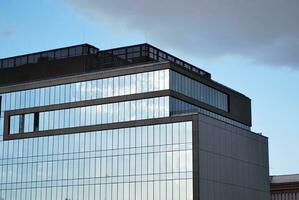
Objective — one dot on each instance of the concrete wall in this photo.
(233, 163)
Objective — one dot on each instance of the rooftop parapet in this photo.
(106, 58)
(143, 52)
(44, 56)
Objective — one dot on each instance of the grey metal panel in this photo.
(232, 162)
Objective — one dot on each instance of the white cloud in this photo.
(264, 31)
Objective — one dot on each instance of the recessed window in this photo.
(21, 124)
(36, 122)
(24, 123)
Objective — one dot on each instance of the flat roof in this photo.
(290, 178)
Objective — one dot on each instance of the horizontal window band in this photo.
(198, 103)
(233, 96)
(111, 126)
(115, 99)
(122, 71)
(120, 99)
(92, 102)
(205, 106)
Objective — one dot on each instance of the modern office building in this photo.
(131, 123)
(284, 187)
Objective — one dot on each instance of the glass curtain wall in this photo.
(115, 86)
(91, 115)
(148, 162)
(178, 107)
(87, 90)
(198, 91)
(80, 91)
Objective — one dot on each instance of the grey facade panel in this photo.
(233, 164)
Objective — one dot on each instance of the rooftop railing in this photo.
(56, 54)
(145, 52)
(111, 57)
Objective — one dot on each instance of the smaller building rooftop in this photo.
(291, 178)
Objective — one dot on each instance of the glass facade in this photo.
(115, 86)
(87, 90)
(178, 106)
(151, 162)
(91, 115)
(123, 133)
(113, 112)
(198, 91)
(22, 123)
(148, 162)
(108, 113)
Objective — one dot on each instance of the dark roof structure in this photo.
(284, 183)
(82, 58)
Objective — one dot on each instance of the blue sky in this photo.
(265, 71)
